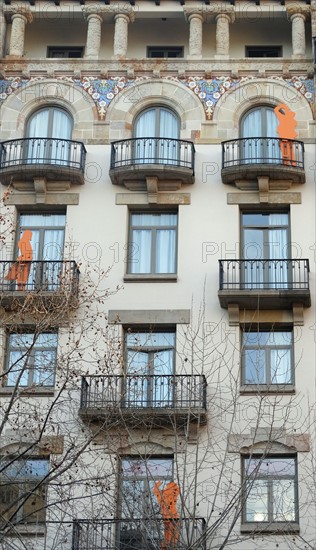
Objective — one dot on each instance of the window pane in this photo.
(42, 220)
(283, 500)
(270, 466)
(257, 501)
(17, 363)
(44, 368)
(166, 251)
(140, 252)
(150, 339)
(254, 366)
(280, 366)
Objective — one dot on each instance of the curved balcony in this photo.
(138, 533)
(264, 284)
(164, 158)
(51, 283)
(248, 158)
(141, 400)
(51, 158)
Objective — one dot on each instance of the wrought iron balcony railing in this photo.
(263, 150)
(177, 392)
(38, 151)
(38, 276)
(264, 274)
(175, 153)
(138, 534)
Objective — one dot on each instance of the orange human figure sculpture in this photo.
(167, 500)
(20, 270)
(286, 131)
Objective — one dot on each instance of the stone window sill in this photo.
(150, 278)
(260, 528)
(35, 391)
(266, 389)
(27, 530)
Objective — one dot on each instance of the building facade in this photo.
(157, 275)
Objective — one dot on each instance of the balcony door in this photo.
(48, 129)
(156, 131)
(260, 124)
(47, 245)
(150, 369)
(265, 243)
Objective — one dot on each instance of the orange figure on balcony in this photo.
(20, 270)
(167, 500)
(286, 131)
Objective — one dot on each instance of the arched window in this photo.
(157, 122)
(260, 139)
(156, 134)
(50, 122)
(48, 133)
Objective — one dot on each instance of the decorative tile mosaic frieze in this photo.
(209, 91)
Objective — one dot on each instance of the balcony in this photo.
(50, 158)
(249, 158)
(54, 284)
(140, 400)
(264, 284)
(137, 534)
(133, 160)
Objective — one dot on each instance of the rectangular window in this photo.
(141, 524)
(263, 51)
(22, 496)
(65, 51)
(265, 249)
(138, 478)
(31, 360)
(267, 357)
(150, 360)
(47, 242)
(165, 51)
(270, 485)
(152, 243)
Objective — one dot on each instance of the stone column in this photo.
(196, 35)
(19, 21)
(121, 34)
(3, 29)
(222, 34)
(93, 43)
(297, 18)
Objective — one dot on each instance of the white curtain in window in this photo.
(280, 366)
(273, 152)
(37, 129)
(61, 128)
(140, 251)
(168, 151)
(252, 127)
(166, 251)
(144, 149)
(278, 250)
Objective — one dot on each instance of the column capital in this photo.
(301, 11)
(96, 16)
(226, 15)
(129, 18)
(15, 12)
(191, 13)
(124, 10)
